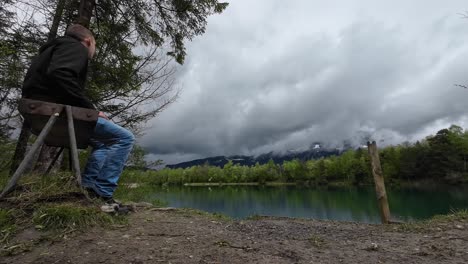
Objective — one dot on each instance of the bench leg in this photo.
(73, 147)
(30, 156)
(53, 161)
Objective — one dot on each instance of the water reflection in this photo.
(343, 204)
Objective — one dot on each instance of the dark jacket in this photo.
(58, 73)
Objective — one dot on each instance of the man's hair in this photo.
(78, 31)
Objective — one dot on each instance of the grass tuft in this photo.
(317, 241)
(460, 215)
(7, 225)
(71, 217)
(142, 193)
(216, 216)
(255, 217)
(438, 221)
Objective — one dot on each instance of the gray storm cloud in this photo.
(283, 77)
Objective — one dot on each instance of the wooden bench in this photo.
(55, 125)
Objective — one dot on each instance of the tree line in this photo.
(439, 158)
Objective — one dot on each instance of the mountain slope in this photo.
(278, 158)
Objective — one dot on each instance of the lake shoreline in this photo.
(420, 184)
(333, 202)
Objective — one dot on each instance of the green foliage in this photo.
(292, 170)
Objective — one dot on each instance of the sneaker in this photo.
(124, 210)
(110, 206)
(110, 200)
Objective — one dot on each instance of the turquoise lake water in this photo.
(343, 204)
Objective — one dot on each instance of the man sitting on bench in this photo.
(58, 75)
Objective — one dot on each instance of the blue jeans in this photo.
(111, 145)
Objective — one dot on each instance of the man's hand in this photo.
(101, 114)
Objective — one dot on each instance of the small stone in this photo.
(143, 204)
(459, 227)
(372, 247)
(126, 236)
(133, 185)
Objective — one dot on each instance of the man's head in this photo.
(85, 36)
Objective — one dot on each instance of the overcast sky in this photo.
(275, 75)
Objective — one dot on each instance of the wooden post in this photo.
(379, 183)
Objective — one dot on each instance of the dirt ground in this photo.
(176, 236)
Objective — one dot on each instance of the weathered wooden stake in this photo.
(379, 182)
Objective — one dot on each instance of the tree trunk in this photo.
(48, 153)
(21, 146)
(85, 12)
(57, 19)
